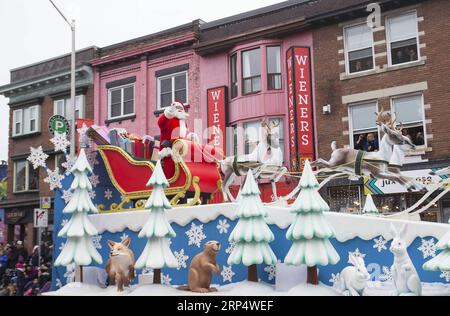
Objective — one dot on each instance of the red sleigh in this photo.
(195, 181)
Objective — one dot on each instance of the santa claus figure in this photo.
(172, 125)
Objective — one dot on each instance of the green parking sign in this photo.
(58, 124)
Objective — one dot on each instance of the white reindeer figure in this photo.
(266, 161)
(384, 164)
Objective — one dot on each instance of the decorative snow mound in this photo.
(241, 289)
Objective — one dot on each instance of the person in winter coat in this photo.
(35, 256)
(20, 279)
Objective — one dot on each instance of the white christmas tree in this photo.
(442, 261)
(79, 231)
(157, 230)
(251, 235)
(310, 231)
(370, 207)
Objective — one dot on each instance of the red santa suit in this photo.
(172, 125)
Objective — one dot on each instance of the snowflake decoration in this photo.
(272, 271)
(230, 248)
(445, 275)
(357, 254)
(165, 279)
(181, 258)
(428, 248)
(37, 157)
(60, 142)
(58, 283)
(69, 163)
(54, 179)
(387, 274)
(195, 235)
(70, 273)
(108, 194)
(64, 222)
(92, 195)
(92, 158)
(67, 196)
(223, 226)
(380, 244)
(123, 237)
(335, 279)
(97, 241)
(95, 180)
(227, 274)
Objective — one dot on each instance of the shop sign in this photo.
(300, 107)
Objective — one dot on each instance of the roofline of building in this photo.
(93, 47)
(186, 26)
(252, 13)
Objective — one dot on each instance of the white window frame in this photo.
(27, 177)
(159, 79)
(388, 39)
(122, 104)
(422, 99)
(82, 108)
(351, 131)
(25, 126)
(346, 52)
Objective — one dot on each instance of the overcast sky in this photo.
(31, 31)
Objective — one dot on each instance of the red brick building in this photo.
(37, 92)
(400, 65)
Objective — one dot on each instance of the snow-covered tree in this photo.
(79, 231)
(370, 207)
(251, 235)
(442, 261)
(310, 231)
(157, 230)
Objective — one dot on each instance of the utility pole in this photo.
(72, 81)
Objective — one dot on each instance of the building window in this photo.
(410, 113)
(63, 107)
(26, 121)
(363, 127)
(121, 101)
(345, 199)
(274, 67)
(251, 136)
(251, 63)
(172, 88)
(359, 48)
(403, 39)
(234, 76)
(232, 141)
(25, 177)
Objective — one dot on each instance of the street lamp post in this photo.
(72, 81)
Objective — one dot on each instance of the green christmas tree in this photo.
(251, 235)
(310, 231)
(442, 261)
(370, 207)
(157, 230)
(79, 248)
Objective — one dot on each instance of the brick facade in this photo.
(434, 69)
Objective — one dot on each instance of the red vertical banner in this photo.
(217, 120)
(300, 103)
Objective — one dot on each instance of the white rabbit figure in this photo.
(353, 280)
(404, 274)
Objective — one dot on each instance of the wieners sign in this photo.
(301, 121)
(217, 101)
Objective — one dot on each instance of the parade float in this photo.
(156, 200)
